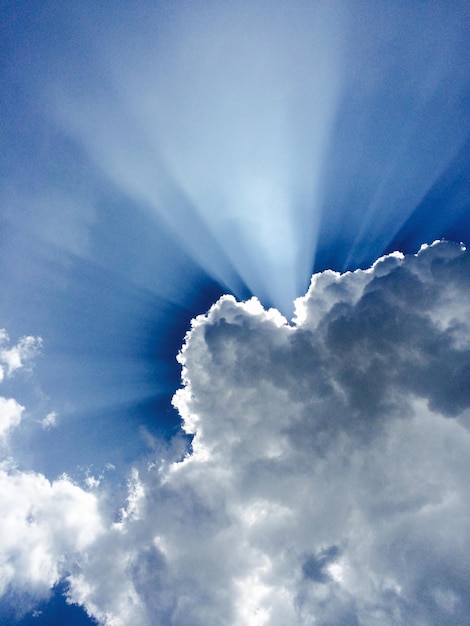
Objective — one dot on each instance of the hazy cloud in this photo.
(50, 420)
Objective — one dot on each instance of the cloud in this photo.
(327, 481)
(50, 420)
(10, 415)
(43, 524)
(329, 444)
(14, 358)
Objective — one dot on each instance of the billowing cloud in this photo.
(327, 481)
(10, 415)
(43, 524)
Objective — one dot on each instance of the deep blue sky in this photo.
(140, 146)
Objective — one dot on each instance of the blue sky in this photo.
(158, 155)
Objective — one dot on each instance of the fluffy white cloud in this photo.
(10, 415)
(12, 359)
(327, 482)
(328, 478)
(330, 446)
(44, 525)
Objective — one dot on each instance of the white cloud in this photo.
(328, 483)
(50, 420)
(43, 525)
(12, 359)
(10, 415)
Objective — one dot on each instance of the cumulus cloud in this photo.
(12, 359)
(15, 357)
(10, 415)
(327, 481)
(44, 525)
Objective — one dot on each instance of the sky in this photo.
(235, 303)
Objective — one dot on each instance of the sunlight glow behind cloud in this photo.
(228, 124)
(224, 132)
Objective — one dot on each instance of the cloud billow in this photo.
(43, 524)
(335, 432)
(327, 478)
